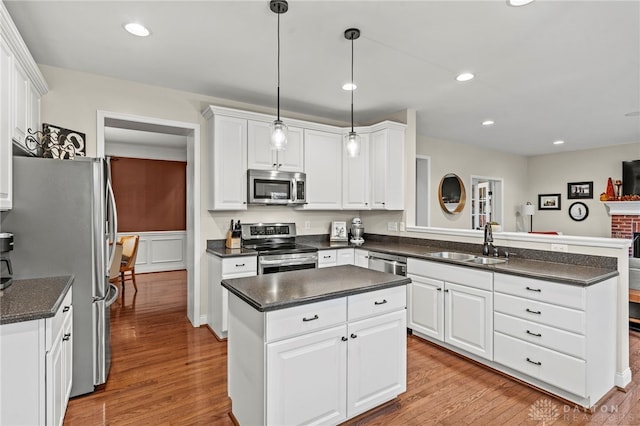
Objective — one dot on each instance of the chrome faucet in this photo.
(487, 247)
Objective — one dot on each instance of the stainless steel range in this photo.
(277, 248)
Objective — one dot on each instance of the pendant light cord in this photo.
(278, 67)
(352, 85)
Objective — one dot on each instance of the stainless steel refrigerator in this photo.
(63, 219)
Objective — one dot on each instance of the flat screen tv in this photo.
(631, 177)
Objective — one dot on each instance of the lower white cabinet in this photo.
(320, 363)
(219, 269)
(560, 335)
(451, 304)
(361, 258)
(335, 257)
(345, 256)
(36, 366)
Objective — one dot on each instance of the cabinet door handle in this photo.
(439, 289)
(326, 257)
(315, 317)
(273, 165)
(239, 265)
(344, 339)
(534, 362)
(353, 335)
(279, 165)
(533, 312)
(446, 290)
(66, 337)
(534, 289)
(534, 334)
(380, 303)
(66, 309)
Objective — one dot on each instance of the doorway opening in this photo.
(171, 138)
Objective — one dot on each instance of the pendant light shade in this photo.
(279, 130)
(352, 140)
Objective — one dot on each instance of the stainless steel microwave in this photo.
(276, 188)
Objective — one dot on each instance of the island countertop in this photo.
(271, 292)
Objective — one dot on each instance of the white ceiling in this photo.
(550, 70)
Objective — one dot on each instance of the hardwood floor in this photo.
(165, 372)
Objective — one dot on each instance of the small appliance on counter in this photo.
(357, 231)
(6, 271)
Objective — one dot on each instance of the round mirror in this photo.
(451, 194)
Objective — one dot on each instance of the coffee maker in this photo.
(6, 271)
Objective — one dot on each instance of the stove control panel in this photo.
(251, 231)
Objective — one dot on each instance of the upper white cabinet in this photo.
(387, 166)
(323, 166)
(21, 87)
(261, 156)
(239, 140)
(227, 146)
(355, 181)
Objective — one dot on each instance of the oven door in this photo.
(270, 264)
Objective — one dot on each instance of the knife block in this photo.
(233, 240)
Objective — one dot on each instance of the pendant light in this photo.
(352, 140)
(278, 128)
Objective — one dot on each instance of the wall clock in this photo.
(578, 211)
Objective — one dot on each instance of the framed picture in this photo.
(62, 143)
(578, 211)
(578, 190)
(548, 201)
(339, 231)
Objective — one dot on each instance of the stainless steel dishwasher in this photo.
(389, 263)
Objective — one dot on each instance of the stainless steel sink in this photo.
(452, 255)
(487, 260)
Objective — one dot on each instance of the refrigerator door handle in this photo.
(113, 295)
(113, 222)
(99, 358)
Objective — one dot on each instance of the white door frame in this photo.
(194, 255)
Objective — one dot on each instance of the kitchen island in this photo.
(321, 345)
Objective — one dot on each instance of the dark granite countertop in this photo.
(540, 269)
(33, 299)
(282, 290)
(227, 252)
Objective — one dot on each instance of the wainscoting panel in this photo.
(161, 251)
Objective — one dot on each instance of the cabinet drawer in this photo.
(377, 302)
(471, 277)
(54, 324)
(552, 367)
(305, 318)
(542, 313)
(345, 257)
(327, 256)
(549, 337)
(544, 291)
(239, 265)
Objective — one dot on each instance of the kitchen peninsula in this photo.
(321, 345)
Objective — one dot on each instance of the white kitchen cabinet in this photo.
(356, 178)
(227, 145)
(327, 258)
(36, 362)
(21, 87)
(345, 256)
(557, 335)
(386, 152)
(361, 258)
(320, 363)
(219, 269)
(452, 304)
(323, 166)
(6, 163)
(261, 156)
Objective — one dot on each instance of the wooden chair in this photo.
(114, 268)
(128, 264)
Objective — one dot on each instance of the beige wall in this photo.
(549, 174)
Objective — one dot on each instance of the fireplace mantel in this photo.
(623, 207)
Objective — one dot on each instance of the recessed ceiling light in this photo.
(517, 3)
(558, 142)
(137, 29)
(465, 76)
(349, 86)
(488, 123)
(633, 114)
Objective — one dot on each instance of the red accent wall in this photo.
(150, 194)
